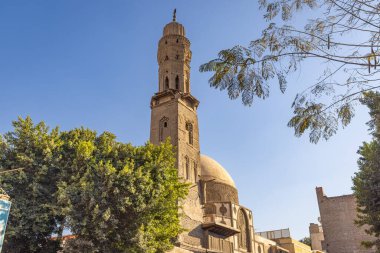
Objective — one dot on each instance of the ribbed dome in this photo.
(174, 28)
(212, 170)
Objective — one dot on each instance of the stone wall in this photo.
(177, 109)
(293, 246)
(337, 217)
(316, 236)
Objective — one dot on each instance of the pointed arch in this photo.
(243, 226)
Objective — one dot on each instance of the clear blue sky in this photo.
(93, 63)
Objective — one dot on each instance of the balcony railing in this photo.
(219, 224)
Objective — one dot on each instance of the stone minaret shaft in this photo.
(174, 115)
(174, 58)
(173, 107)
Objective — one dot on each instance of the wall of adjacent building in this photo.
(293, 246)
(262, 244)
(337, 217)
(316, 236)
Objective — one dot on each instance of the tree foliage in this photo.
(344, 38)
(75, 245)
(306, 240)
(367, 180)
(122, 198)
(114, 197)
(34, 216)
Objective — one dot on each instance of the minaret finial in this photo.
(174, 15)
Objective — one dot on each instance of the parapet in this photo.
(315, 228)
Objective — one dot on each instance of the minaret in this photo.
(174, 115)
(174, 58)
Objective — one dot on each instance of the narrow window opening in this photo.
(177, 56)
(166, 83)
(189, 128)
(166, 58)
(177, 82)
(177, 40)
(163, 129)
(187, 167)
(187, 86)
(166, 42)
(195, 172)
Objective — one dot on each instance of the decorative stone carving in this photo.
(219, 192)
(223, 210)
(243, 237)
(210, 208)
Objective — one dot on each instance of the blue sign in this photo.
(5, 206)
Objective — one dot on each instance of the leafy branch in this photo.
(322, 107)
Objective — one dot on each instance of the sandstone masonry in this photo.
(338, 214)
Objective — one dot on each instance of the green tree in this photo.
(343, 37)
(121, 198)
(367, 180)
(114, 197)
(34, 217)
(75, 245)
(306, 240)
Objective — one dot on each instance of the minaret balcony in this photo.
(219, 225)
(218, 219)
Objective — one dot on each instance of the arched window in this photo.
(164, 129)
(166, 58)
(166, 83)
(243, 237)
(177, 82)
(187, 168)
(189, 129)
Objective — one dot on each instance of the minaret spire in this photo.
(174, 15)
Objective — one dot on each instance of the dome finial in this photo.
(174, 15)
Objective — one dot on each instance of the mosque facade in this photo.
(212, 216)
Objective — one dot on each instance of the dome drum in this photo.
(218, 185)
(220, 192)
